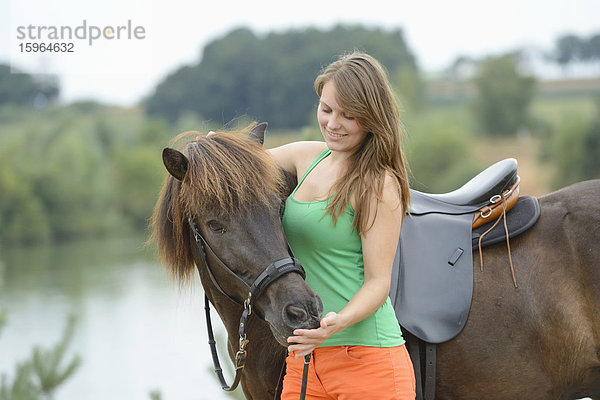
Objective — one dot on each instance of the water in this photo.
(136, 332)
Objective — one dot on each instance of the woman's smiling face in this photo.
(341, 130)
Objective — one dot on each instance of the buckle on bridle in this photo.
(243, 343)
(240, 359)
(240, 356)
(248, 303)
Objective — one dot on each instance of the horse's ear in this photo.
(175, 162)
(258, 133)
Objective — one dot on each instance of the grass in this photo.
(555, 109)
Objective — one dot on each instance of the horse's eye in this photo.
(215, 226)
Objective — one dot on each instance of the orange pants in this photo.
(352, 373)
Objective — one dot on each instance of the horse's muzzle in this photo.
(297, 316)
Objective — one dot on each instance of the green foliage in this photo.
(23, 386)
(47, 362)
(25, 90)
(571, 48)
(89, 169)
(21, 213)
(40, 376)
(2, 316)
(80, 170)
(575, 150)
(142, 175)
(271, 78)
(155, 395)
(591, 49)
(439, 151)
(567, 49)
(410, 88)
(503, 95)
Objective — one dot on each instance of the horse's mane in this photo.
(226, 174)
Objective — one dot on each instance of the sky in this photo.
(170, 34)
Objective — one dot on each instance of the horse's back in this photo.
(542, 339)
(582, 197)
(572, 215)
(571, 222)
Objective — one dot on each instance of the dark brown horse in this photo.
(538, 342)
(542, 340)
(231, 188)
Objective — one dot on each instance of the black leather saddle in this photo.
(472, 195)
(432, 278)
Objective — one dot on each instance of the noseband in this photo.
(272, 272)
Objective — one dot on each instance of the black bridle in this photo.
(272, 272)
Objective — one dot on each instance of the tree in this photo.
(39, 376)
(25, 90)
(567, 49)
(571, 48)
(78, 170)
(576, 150)
(439, 152)
(271, 77)
(503, 95)
(591, 49)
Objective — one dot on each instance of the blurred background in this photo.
(86, 311)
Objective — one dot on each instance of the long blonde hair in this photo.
(363, 90)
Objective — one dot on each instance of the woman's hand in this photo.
(306, 340)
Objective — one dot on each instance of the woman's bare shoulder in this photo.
(295, 155)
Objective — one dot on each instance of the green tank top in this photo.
(332, 258)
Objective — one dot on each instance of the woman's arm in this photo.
(379, 248)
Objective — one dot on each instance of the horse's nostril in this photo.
(294, 316)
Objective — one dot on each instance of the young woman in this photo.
(343, 222)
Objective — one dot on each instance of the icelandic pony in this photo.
(232, 190)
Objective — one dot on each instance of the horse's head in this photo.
(231, 189)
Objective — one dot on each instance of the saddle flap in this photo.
(432, 278)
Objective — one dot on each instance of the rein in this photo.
(272, 272)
